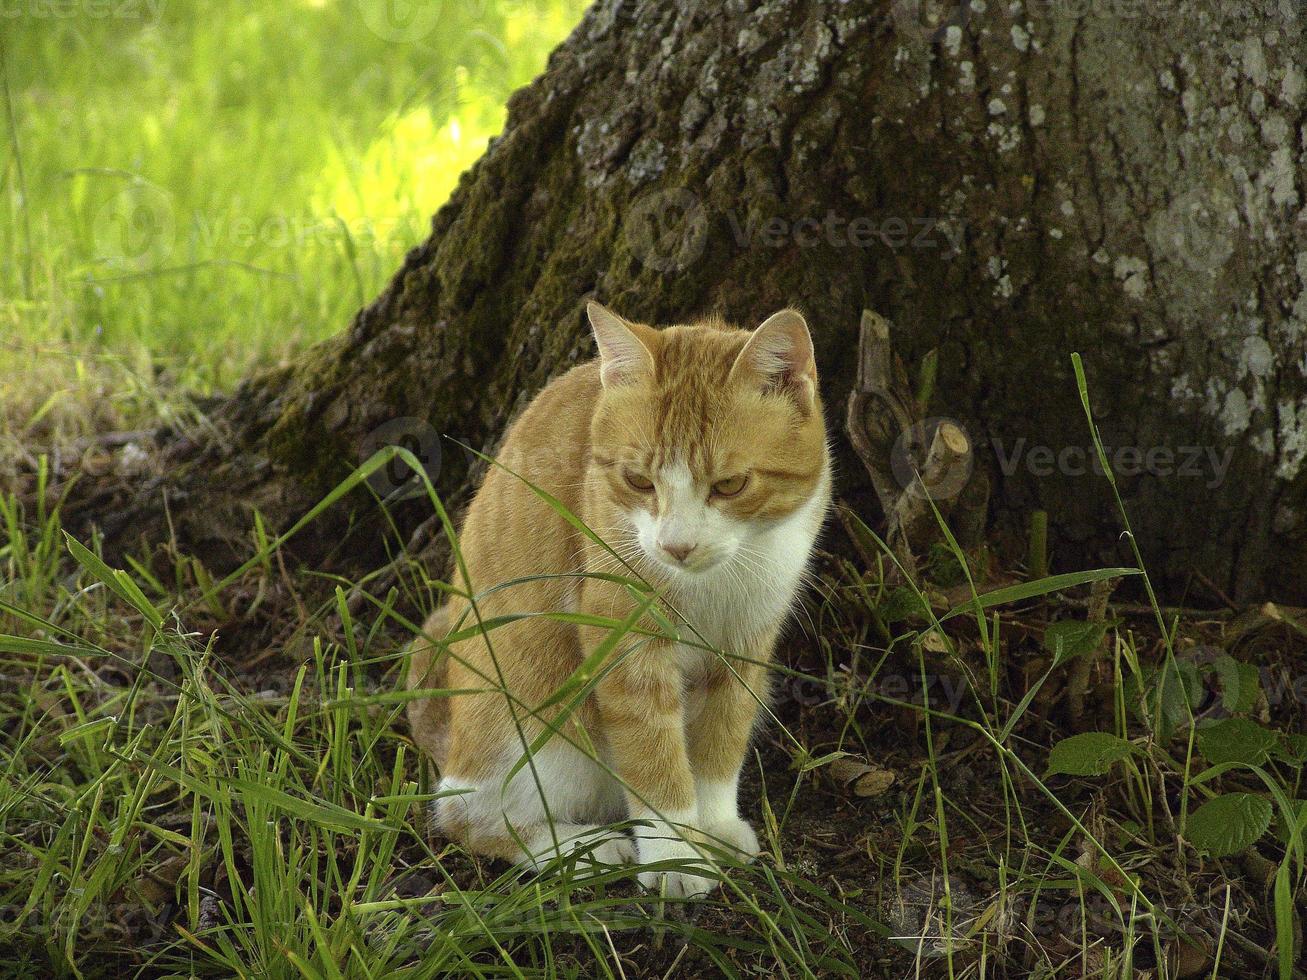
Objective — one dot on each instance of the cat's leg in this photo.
(721, 711)
(639, 704)
(510, 820)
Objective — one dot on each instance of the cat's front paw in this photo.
(733, 834)
(673, 883)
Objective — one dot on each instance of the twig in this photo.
(1038, 544)
(1082, 668)
(946, 463)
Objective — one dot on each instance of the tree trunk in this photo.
(1007, 182)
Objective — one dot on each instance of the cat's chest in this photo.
(747, 598)
(738, 604)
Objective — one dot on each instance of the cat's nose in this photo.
(678, 551)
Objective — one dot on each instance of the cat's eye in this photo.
(730, 486)
(639, 481)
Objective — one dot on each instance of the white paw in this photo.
(592, 845)
(615, 850)
(673, 883)
(676, 884)
(732, 834)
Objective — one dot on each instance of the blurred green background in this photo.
(191, 189)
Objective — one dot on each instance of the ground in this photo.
(177, 801)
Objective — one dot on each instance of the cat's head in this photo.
(707, 438)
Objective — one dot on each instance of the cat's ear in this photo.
(623, 356)
(779, 356)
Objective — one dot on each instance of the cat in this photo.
(699, 454)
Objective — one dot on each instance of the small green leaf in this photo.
(1291, 823)
(1169, 696)
(1241, 685)
(1236, 740)
(86, 730)
(1071, 638)
(1293, 749)
(1227, 824)
(1088, 754)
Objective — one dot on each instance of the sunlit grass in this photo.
(191, 191)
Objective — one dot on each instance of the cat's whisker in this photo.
(760, 561)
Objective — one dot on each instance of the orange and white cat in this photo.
(698, 453)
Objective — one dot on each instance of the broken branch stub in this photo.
(947, 466)
(911, 461)
(881, 407)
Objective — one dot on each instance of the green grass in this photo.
(189, 193)
(156, 813)
(164, 811)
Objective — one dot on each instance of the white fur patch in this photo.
(717, 799)
(577, 789)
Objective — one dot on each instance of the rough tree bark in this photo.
(1007, 181)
